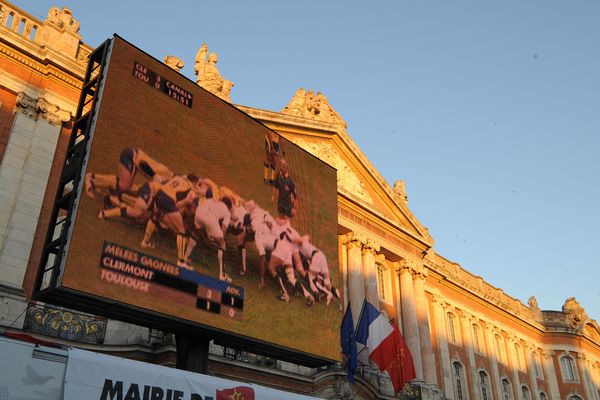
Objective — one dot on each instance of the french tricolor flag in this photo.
(386, 346)
(375, 332)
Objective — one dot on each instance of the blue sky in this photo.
(488, 110)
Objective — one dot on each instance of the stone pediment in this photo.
(359, 181)
(348, 180)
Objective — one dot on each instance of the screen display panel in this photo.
(193, 210)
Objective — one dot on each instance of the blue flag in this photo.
(367, 316)
(349, 343)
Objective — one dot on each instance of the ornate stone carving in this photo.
(344, 390)
(439, 299)
(173, 62)
(309, 105)
(421, 272)
(64, 324)
(63, 19)
(346, 177)
(52, 113)
(532, 302)
(209, 77)
(34, 108)
(27, 105)
(407, 265)
(576, 315)
(399, 190)
(353, 240)
(536, 313)
(370, 246)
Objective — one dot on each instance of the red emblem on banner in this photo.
(236, 393)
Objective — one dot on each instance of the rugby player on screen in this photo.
(176, 194)
(318, 270)
(131, 160)
(214, 216)
(272, 150)
(285, 188)
(280, 264)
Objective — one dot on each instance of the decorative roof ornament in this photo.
(576, 315)
(63, 19)
(536, 313)
(313, 106)
(209, 77)
(399, 190)
(173, 62)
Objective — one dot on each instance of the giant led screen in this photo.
(192, 210)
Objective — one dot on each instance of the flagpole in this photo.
(360, 315)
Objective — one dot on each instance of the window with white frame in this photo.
(452, 327)
(484, 386)
(574, 397)
(459, 381)
(478, 339)
(525, 393)
(543, 396)
(506, 390)
(567, 365)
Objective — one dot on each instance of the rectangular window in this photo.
(381, 282)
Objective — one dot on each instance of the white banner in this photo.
(93, 376)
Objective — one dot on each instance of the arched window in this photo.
(478, 339)
(484, 386)
(506, 390)
(519, 357)
(459, 381)
(452, 328)
(33, 32)
(525, 393)
(574, 397)
(535, 361)
(543, 396)
(500, 348)
(567, 365)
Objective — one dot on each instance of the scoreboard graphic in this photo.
(132, 269)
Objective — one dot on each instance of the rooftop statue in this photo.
(208, 74)
(173, 62)
(63, 19)
(576, 315)
(309, 105)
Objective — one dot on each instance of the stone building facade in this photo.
(469, 340)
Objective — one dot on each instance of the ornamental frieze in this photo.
(64, 324)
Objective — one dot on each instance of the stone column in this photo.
(409, 314)
(439, 315)
(369, 269)
(356, 286)
(427, 355)
(548, 356)
(582, 360)
(469, 342)
(489, 332)
(24, 175)
(529, 361)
